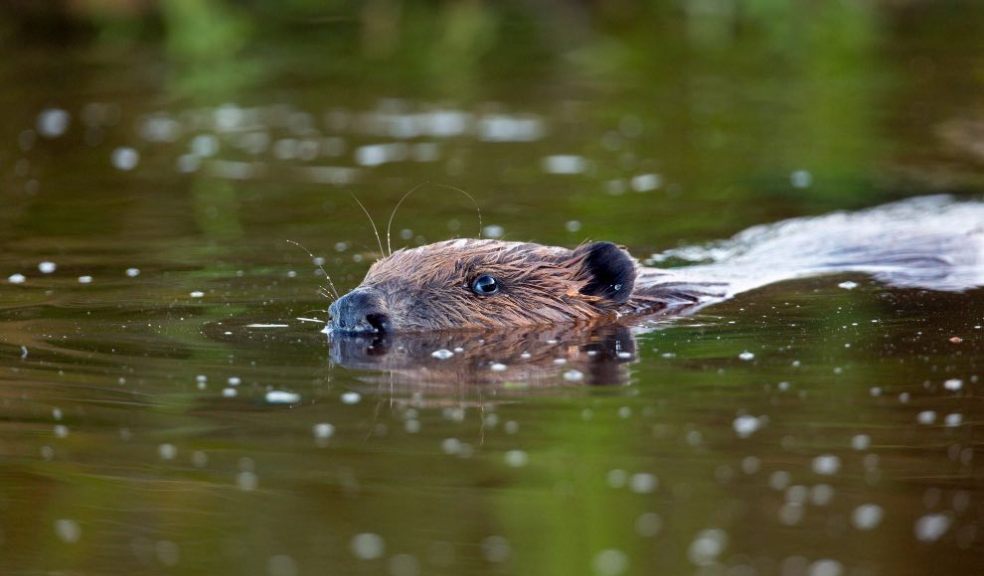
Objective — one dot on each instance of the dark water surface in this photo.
(169, 404)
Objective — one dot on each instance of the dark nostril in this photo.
(379, 322)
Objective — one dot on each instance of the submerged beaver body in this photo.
(932, 243)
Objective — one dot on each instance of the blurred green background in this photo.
(169, 148)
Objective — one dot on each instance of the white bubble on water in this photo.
(197, 294)
(821, 494)
(199, 459)
(351, 398)
(323, 430)
(53, 122)
(746, 356)
(204, 145)
(648, 524)
(744, 426)
(611, 562)
(826, 464)
(953, 384)
(707, 546)
(85, 279)
(125, 158)
(496, 549)
(617, 478)
(848, 285)
(932, 527)
(796, 494)
(451, 445)
(791, 513)
(16, 278)
(404, 565)
(247, 481)
(167, 451)
(643, 483)
(61, 430)
(953, 420)
(779, 479)
(801, 179)
(281, 565)
(572, 225)
(133, 272)
(867, 516)
(750, 464)
(68, 530)
(282, 397)
(926, 417)
(188, 163)
(168, 552)
(229, 392)
(861, 442)
(498, 367)
(47, 267)
(516, 458)
(646, 182)
(442, 354)
(493, 231)
(825, 567)
(367, 546)
(573, 376)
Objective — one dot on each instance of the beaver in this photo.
(934, 243)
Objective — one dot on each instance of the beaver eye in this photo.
(485, 285)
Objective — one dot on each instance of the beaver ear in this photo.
(610, 271)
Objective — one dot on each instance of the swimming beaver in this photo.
(933, 242)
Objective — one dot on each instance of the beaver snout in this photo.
(362, 310)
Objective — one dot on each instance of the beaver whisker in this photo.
(375, 230)
(320, 267)
(389, 224)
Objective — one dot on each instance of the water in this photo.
(169, 404)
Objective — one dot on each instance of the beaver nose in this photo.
(361, 310)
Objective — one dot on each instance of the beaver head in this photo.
(469, 284)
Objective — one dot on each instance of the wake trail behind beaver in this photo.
(934, 243)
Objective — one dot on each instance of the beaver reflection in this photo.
(568, 356)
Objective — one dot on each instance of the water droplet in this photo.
(68, 530)
(953, 384)
(516, 458)
(282, 397)
(707, 546)
(125, 158)
(611, 562)
(932, 527)
(826, 464)
(53, 122)
(867, 516)
(167, 451)
(367, 546)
